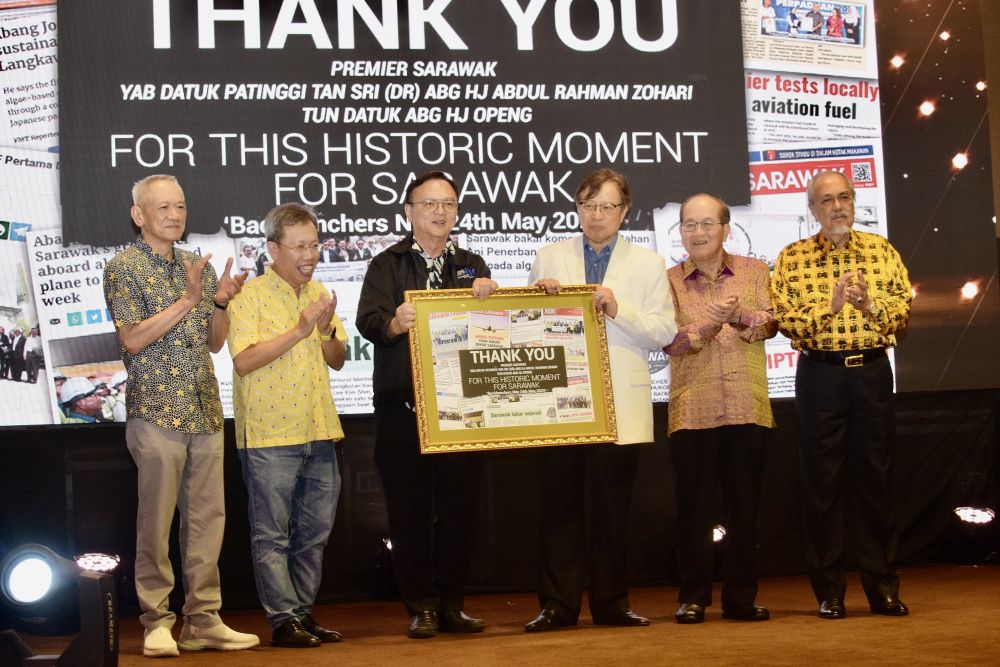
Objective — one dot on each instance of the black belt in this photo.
(849, 358)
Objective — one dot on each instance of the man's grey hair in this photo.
(724, 213)
(287, 215)
(811, 186)
(139, 187)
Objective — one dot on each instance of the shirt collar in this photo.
(449, 249)
(691, 272)
(141, 243)
(605, 251)
(825, 245)
(276, 282)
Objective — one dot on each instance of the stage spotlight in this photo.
(975, 515)
(970, 290)
(98, 562)
(39, 589)
(46, 594)
(971, 535)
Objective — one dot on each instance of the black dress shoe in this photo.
(291, 634)
(548, 619)
(889, 606)
(833, 608)
(325, 635)
(623, 617)
(459, 622)
(423, 625)
(751, 613)
(689, 613)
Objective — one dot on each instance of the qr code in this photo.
(861, 172)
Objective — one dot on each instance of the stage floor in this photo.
(954, 619)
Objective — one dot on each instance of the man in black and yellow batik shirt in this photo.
(842, 296)
(169, 311)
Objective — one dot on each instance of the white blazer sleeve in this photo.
(645, 309)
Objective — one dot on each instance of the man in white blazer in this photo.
(585, 491)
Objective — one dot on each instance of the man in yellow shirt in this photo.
(842, 296)
(284, 335)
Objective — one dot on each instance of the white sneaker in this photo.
(159, 643)
(220, 637)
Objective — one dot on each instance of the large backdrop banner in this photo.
(339, 104)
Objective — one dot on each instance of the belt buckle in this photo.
(854, 360)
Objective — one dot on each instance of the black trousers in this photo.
(732, 456)
(846, 426)
(433, 506)
(32, 362)
(585, 493)
(16, 369)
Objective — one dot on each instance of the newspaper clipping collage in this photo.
(811, 94)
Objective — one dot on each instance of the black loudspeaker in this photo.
(13, 651)
(96, 645)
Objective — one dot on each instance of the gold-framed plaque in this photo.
(522, 368)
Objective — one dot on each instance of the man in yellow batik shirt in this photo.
(842, 297)
(284, 336)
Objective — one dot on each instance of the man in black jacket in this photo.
(432, 502)
(17, 343)
(6, 354)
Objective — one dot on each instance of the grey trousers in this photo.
(181, 470)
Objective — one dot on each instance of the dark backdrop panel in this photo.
(98, 101)
(74, 489)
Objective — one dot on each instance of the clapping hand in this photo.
(229, 285)
(319, 310)
(723, 310)
(194, 271)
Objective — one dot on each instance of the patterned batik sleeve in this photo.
(122, 294)
(798, 317)
(757, 322)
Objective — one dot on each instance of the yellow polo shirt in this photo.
(288, 401)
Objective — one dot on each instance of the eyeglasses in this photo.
(302, 248)
(593, 207)
(705, 225)
(428, 205)
(844, 198)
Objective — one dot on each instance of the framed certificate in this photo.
(522, 368)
